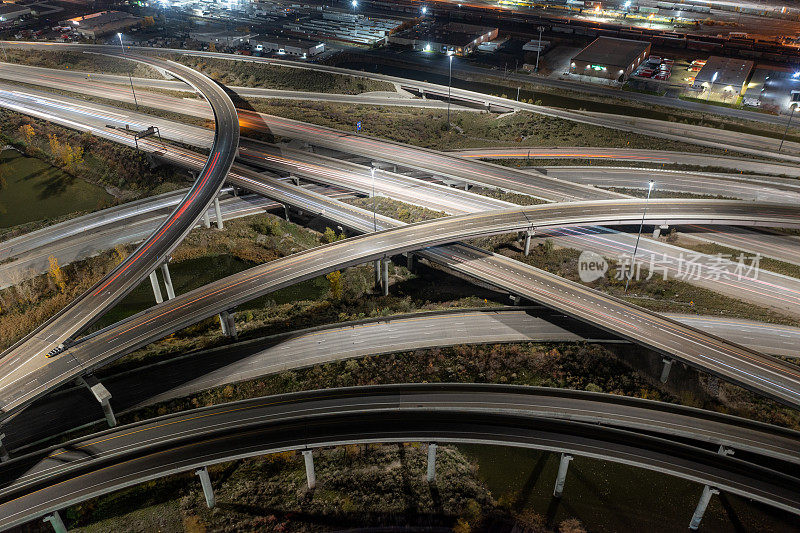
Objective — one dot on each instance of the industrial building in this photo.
(102, 23)
(286, 45)
(610, 58)
(12, 11)
(723, 77)
(450, 38)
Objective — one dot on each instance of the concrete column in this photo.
(527, 244)
(218, 212)
(658, 229)
(286, 212)
(700, 510)
(206, 219)
(466, 186)
(385, 277)
(208, 490)
(665, 369)
(411, 262)
(311, 477)
(295, 180)
(231, 322)
(223, 322)
(562, 475)
(101, 394)
(167, 281)
(3, 451)
(56, 522)
(156, 288)
(431, 474)
(377, 273)
(515, 300)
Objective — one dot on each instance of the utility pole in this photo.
(539, 50)
(449, 82)
(787, 127)
(639, 236)
(130, 78)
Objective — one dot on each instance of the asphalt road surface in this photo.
(661, 437)
(25, 366)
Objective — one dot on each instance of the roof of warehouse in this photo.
(611, 51)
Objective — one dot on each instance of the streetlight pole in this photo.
(374, 219)
(539, 50)
(639, 236)
(787, 127)
(130, 78)
(449, 81)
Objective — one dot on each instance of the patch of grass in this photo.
(657, 193)
(252, 74)
(765, 263)
(513, 197)
(72, 60)
(395, 209)
(428, 127)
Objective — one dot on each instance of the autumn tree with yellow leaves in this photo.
(69, 157)
(56, 275)
(337, 289)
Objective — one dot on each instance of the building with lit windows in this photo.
(610, 58)
(449, 38)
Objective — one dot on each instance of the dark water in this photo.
(611, 497)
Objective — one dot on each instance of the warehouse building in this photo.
(12, 11)
(723, 77)
(103, 23)
(610, 58)
(286, 45)
(450, 38)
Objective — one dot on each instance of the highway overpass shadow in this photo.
(250, 122)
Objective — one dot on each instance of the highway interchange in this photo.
(433, 240)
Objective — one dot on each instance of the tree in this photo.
(27, 132)
(56, 275)
(335, 279)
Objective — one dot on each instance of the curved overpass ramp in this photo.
(751, 369)
(665, 438)
(25, 366)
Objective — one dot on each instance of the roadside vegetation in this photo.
(765, 263)
(81, 62)
(601, 162)
(471, 129)
(253, 74)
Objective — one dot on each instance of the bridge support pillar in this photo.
(411, 262)
(700, 510)
(56, 522)
(208, 490)
(218, 212)
(658, 229)
(206, 219)
(3, 451)
(562, 475)
(385, 277)
(101, 394)
(515, 300)
(431, 474)
(377, 273)
(228, 324)
(665, 369)
(156, 288)
(528, 236)
(167, 281)
(295, 180)
(311, 477)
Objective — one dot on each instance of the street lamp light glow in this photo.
(650, 185)
(627, 4)
(796, 75)
(354, 3)
(714, 77)
(424, 9)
